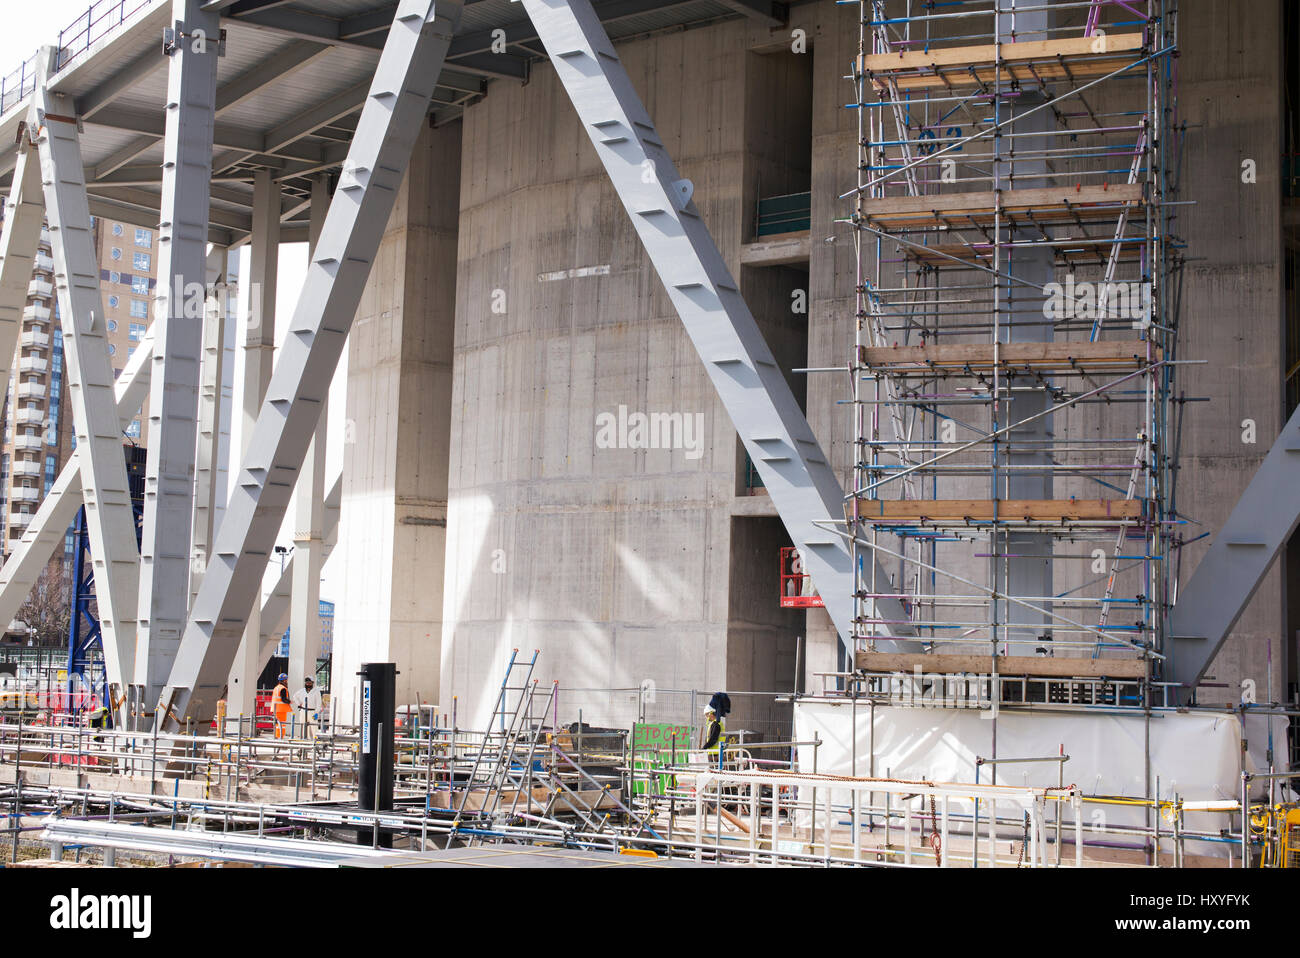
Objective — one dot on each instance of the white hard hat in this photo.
(710, 710)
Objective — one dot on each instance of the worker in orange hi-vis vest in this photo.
(281, 706)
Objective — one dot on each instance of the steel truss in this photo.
(394, 111)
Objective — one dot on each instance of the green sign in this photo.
(653, 749)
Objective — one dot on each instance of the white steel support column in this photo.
(775, 432)
(59, 507)
(209, 428)
(24, 211)
(394, 112)
(309, 507)
(259, 359)
(109, 517)
(178, 343)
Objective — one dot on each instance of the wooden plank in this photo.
(1025, 75)
(1058, 204)
(987, 201)
(1085, 251)
(985, 510)
(1055, 356)
(950, 664)
(1025, 62)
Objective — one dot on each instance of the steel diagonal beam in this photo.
(1212, 601)
(109, 516)
(178, 346)
(751, 385)
(381, 150)
(24, 211)
(59, 507)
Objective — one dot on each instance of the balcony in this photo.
(23, 467)
(27, 416)
(36, 313)
(34, 338)
(44, 263)
(24, 494)
(778, 215)
(782, 228)
(31, 390)
(18, 523)
(33, 364)
(31, 443)
(40, 288)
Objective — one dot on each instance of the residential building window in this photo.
(143, 262)
(117, 229)
(117, 253)
(139, 310)
(130, 351)
(112, 350)
(112, 301)
(137, 332)
(144, 238)
(140, 285)
(50, 463)
(112, 325)
(133, 430)
(115, 277)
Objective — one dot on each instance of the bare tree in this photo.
(47, 611)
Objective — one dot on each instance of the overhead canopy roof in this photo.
(289, 89)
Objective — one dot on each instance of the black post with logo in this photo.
(378, 710)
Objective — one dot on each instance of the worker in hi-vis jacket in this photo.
(715, 727)
(281, 706)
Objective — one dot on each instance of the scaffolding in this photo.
(1014, 413)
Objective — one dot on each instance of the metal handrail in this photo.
(100, 19)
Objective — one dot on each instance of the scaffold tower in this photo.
(1015, 346)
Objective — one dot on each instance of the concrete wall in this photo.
(394, 510)
(1230, 76)
(612, 561)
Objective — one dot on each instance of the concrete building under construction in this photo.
(920, 375)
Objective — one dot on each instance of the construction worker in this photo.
(306, 706)
(715, 726)
(714, 732)
(281, 705)
(98, 718)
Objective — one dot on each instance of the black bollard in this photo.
(378, 708)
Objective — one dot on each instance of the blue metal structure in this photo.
(83, 629)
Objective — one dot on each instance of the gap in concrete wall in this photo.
(778, 162)
(778, 129)
(762, 637)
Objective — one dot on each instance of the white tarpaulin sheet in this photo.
(1196, 755)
